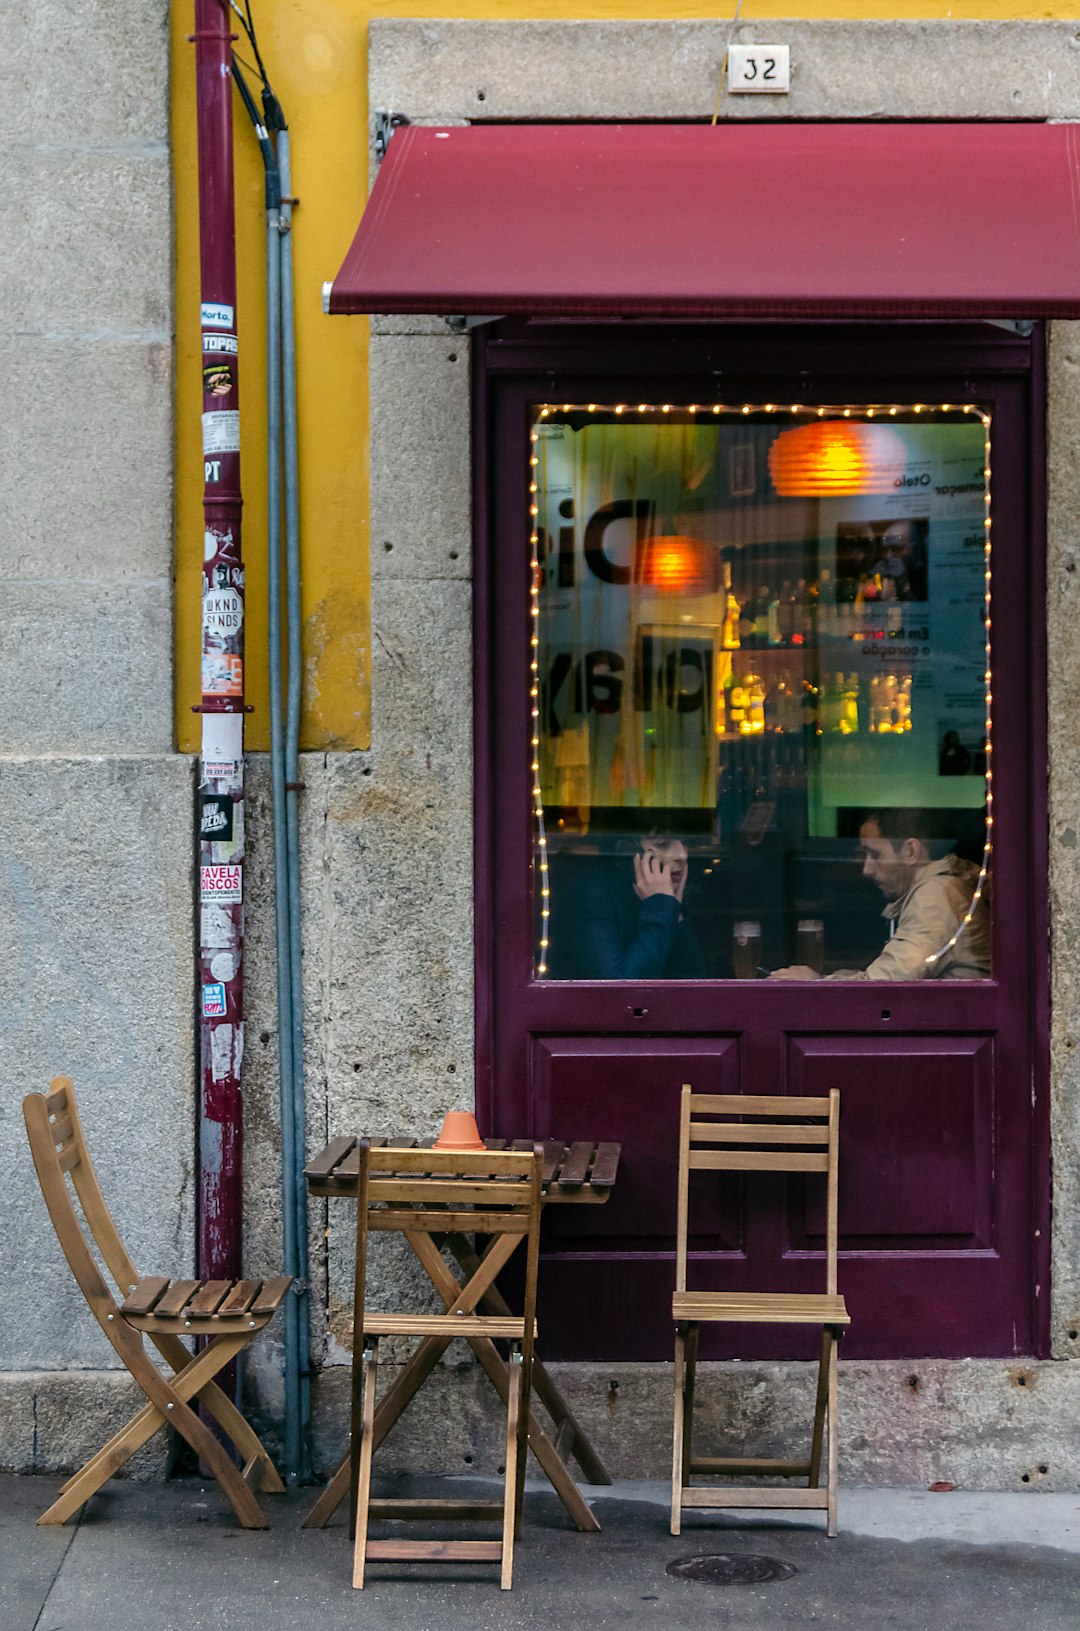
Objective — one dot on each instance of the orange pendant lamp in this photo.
(675, 564)
(836, 458)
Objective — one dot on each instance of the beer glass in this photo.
(810, 943)
(746, 950)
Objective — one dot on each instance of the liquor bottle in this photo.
(762, 613)
(849, 705)
(732, 613)
(737, 706)
(755, 694)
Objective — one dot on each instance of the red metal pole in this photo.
(221, 779)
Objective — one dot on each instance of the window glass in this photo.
(760, 691)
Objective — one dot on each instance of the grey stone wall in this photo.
(95, 808)
(95, 849)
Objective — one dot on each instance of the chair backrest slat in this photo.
(762, 1136)
(758, 1132)
(757, 1104)
(757, 1161)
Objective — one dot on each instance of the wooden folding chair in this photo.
(427, 1195)
(228, 1313)
(761, 1135)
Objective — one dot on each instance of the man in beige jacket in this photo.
(928, 903)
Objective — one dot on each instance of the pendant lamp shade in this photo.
(831, 458)
(677, 565)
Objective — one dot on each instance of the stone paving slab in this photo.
(173, 1559)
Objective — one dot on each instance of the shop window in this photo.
(761, 690)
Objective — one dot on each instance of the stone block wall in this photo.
(95, 807)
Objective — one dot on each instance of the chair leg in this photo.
(522, 1452)
(677, 1442)
(515, 1463)
(833, 1448)
(688, 1414)
(820, 1404)
(167, 1406)
(367, 1435)
(247, 1442)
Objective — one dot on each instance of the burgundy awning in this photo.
(760, 220)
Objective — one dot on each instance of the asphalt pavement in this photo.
(171, 1557)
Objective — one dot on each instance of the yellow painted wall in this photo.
(316, 54)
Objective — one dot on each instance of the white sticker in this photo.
(221, 431)
(215, 316)
(223, 611)
(226, 343)
(221, 883)
(222, 747)
(224, 965)
(215, 927)
(221, 1052)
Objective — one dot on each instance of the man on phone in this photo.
(633, 927)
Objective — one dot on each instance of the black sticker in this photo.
(216, 821)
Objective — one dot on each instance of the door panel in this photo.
(591, 1079)
(944, 1162)
(928, 1103)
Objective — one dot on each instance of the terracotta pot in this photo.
(459, 1132)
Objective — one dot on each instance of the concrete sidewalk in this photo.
(170, 1557)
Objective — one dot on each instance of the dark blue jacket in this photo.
(604, 932)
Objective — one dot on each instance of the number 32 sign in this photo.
(759, 68)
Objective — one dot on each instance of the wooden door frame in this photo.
(548, 352)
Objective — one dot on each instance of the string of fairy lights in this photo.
(795, 411)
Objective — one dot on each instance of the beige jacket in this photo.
(924, 920)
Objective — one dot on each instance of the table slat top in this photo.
(581, 1171)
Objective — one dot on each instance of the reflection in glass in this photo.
(761, 692)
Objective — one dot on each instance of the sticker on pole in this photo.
(224, 344)
(222, 747)
(222, 674)
(217, 316)
(216, 818)
(221, 431)
(222, 611)
(221, 883)
(213, 1001)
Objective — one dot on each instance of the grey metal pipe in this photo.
(286, 1076)
(292, 785)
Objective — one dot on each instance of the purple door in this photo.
(746, 601)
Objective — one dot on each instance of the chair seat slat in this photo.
(270, 1296)
(209, 1297)
(760, 1307)
(241, 1297)
(145, 1294)
(173, 1302)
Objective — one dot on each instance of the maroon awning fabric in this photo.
(758, 220)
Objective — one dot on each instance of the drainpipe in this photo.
(221, 765)
(271, 133)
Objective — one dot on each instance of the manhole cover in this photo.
(724, 1569)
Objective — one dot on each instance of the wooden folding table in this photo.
(581, 1174)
